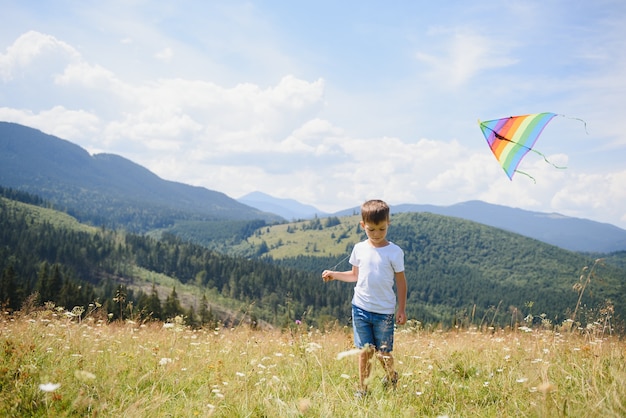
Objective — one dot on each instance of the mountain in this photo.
(574, 234)
(287, 208)
(105, 188)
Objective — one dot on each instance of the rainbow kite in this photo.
(510, 139)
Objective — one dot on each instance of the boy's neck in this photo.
(381, 244)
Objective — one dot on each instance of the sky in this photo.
(332, 103)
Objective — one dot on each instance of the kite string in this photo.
(342, 260)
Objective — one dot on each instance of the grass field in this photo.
(52, 364)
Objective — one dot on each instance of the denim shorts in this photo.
(373, 328)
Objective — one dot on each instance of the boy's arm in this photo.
(342, 276)
(401, 288)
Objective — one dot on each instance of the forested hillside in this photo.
(106, 189)
(459, 272)
(65, 262)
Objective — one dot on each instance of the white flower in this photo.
(312, 347)
(352, 352)
(165, 361)
(49, 387)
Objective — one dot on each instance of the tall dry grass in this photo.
(52, 365)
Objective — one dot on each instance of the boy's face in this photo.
(376, 232)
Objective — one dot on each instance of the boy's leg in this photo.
(391, 376)
(365, 366)
(386, 359)
(384, 333)
(363, 339)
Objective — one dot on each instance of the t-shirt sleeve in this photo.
(397, 262)
(353, 257)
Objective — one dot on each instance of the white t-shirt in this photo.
(377, 268)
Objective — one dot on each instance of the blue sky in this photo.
(331, 103)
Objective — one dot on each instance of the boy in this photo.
(376, 264)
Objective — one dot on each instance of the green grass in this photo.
(133, 370)
(37, 214)
(329, 241)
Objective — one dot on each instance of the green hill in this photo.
(457, 269)
(459, 272)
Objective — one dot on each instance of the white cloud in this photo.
(32, 53)
(88, 76)
(463, 54)
(602, 195)
(66, 124)
(254, 102)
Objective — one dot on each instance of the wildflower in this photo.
(298, 322)
(49, 387)
(164, 361)
(352, 352)
(312, 347)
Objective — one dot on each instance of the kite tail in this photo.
(546, 160)
(527, 175)
(578, 119)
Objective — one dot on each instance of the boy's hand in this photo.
(327, 275)
(401, 318)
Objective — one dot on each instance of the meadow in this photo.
(55, 363)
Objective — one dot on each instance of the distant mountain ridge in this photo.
(574, 234)
(103, 187)
(289, 209)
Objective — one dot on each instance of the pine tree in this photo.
(8, 291)
(172, 307)
(153, 307)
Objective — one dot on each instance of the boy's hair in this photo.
(374, 211)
